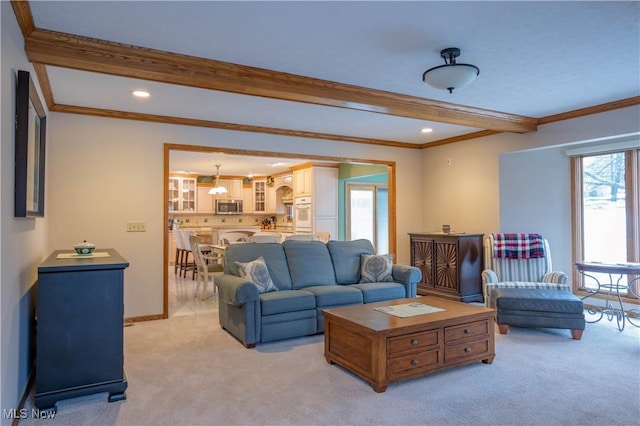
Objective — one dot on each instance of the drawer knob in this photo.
(414, 362)
(467, 331)
(467, 350)
(414, 342)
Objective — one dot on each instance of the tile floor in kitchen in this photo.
(182, 300)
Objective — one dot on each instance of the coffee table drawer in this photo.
(410, 342)
(412, 362)
(466, 331)
(469, 350)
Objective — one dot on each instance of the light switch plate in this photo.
(136, 227)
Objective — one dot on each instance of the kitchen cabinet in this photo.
(451, 265)
(260, 196)
(320, 184)
(182, 194)
(303, 182)
(205, 201)
(247, 199)
(234, 189)
(272, 202)
(80, 315)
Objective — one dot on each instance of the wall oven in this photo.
(228, 206)
(303, 215)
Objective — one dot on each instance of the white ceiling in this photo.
(535, 58)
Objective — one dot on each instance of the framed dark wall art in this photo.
(31, 126)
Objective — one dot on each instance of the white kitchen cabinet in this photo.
(234, 189)
(247, 199)
(206, 202)
(182, 194)
(303, 182)
(325, 200)
(272, 202)
(260, 196)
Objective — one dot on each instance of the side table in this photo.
(611, 290)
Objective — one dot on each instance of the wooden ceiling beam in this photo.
(88, 54)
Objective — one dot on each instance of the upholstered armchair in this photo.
(505, 272)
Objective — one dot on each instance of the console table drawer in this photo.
(412, 361)
(462, 351)
(410, 342)
(466, 331)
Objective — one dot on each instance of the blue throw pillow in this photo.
(256, 271)
(376, 268)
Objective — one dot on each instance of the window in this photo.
(367, 214)
(606, 188)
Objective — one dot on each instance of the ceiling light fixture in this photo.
(427, 130)
(218, 189)
(140, 94)
(451, 75)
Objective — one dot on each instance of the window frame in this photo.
(632, 201)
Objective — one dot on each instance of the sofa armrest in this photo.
(236, 290)
(556, 277)
(489, 277)
(409, 276)
(406, 274)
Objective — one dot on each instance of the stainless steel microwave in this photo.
(228, 206)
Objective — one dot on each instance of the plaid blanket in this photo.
(518, 246)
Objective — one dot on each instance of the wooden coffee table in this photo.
(382, 348)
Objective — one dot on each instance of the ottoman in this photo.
(521, 307)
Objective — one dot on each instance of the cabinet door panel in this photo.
(446, 269)
(422, 259)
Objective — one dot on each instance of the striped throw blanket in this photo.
(518, 246)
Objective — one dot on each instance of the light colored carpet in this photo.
(187, 371)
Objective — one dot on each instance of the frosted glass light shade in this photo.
(450, 76)
(218, 190)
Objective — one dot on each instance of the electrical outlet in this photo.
(136, 227)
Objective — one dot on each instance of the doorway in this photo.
(388, 239)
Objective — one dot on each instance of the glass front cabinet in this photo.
(182, 194)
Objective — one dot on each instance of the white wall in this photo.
(23, 241)
(106, 172)
(511, 182)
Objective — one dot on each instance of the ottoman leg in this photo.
(576, 334)
(503, 328)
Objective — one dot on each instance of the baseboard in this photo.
(131, 320)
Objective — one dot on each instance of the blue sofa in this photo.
(310, 276)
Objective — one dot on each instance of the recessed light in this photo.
(140, 94)
(427, 130)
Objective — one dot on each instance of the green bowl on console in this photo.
(84, 248)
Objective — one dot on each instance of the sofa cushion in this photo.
(376, 268)
(309, 263)
(273, 255)
(335, 295)
(256, 271)
(286, 301)
(346, 258)
(378, 292)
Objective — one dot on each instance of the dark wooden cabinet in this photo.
(80, 312)
(451, 265)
